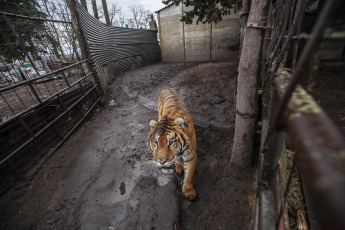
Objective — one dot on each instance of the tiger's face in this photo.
(166, 141)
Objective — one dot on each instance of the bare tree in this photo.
(94, 8)
(114, 11)
(247, 85)
(121, 19)
(130, 23)
(140, 16)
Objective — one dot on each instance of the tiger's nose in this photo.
(162, 161)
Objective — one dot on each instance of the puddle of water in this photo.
(123, 192)
(163, 179)
(123, 188)
(165, 176)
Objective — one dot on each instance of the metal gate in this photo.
(287, 106)
(46, 87)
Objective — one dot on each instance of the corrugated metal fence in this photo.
(46, 88)
(52, 76)
(114, 50)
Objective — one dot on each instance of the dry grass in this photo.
(295, 198)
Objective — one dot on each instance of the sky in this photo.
(152, 5)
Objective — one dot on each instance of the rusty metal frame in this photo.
(77, 87)
(320, 148)
(320, 152)
(107, 52)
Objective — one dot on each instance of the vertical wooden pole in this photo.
(83, 44)
(106, 13)
(184, 39)
(94, 8)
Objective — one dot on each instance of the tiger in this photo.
(172, 139)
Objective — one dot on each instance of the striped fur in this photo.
(172, 138)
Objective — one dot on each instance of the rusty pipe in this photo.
(320, 151)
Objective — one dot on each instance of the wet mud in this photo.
(103, 177)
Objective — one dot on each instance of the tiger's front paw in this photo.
(189, 192)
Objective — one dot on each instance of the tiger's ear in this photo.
(153, 123)
(179, 121)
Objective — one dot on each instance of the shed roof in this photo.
(165, 7)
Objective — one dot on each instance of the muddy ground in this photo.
(103, 176)
(329, 91)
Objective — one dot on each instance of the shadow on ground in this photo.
(103, 176)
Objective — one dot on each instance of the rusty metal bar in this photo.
(20, 99)
(74, 128)
(46, 127)
(65, 78)
(43, 102)
(285, 25)
(61, 102)
(267, 214)
(331, 9)
(320, 151)
(27, 129)
(334, 35)
(34, 92)
(40, 77)
(3, 98)
(34, 18)
(301, 4)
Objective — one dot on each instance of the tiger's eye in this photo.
(171, 143)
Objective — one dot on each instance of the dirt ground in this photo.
(329, 91)
(103, 176)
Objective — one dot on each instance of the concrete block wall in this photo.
(191, 43)
(171, 34)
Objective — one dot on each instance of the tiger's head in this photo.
(167, 140)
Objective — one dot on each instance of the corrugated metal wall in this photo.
(115, 50)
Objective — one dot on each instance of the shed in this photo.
(181, 42)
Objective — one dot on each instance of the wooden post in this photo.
(105, 11)
(94, 8)
(83, 44)
(247, 85)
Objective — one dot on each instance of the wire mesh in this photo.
(37, 43)
(46, 88)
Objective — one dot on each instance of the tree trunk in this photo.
(94, 8)
(105, 11)
(247, 85)
(243, 19)
(83, 3)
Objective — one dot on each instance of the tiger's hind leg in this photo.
(178, 166)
